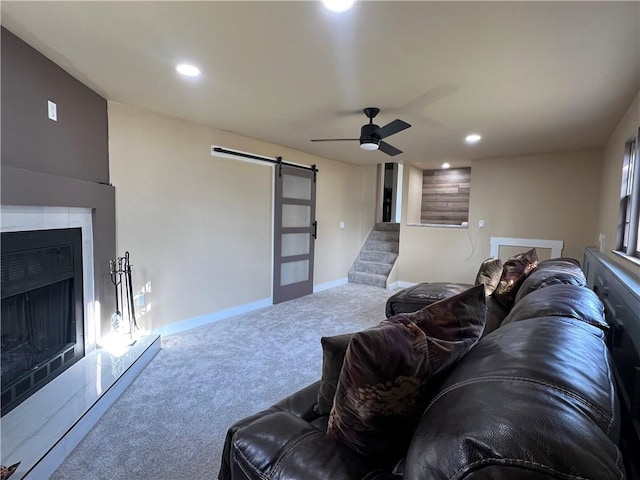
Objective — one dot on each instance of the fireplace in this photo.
(42, 309)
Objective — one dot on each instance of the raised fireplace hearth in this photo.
(42, 309)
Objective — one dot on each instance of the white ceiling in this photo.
(530, 77)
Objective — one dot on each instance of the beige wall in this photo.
(413, 204)
(199, 227)
(611, 178)
(551, 196)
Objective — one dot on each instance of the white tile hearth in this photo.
(45, 428)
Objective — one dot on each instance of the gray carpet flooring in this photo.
(171, 422)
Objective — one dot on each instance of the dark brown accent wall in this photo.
(63, 163)
(77, 144)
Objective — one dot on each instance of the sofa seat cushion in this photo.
(552, 272)
(533, 399)
(414, 298)
(560, 300)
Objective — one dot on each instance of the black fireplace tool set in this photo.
(120, 271)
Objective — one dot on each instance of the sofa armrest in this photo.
(299, 404)
(282, 446)
(225, 461)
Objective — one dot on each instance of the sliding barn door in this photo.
(295, 232)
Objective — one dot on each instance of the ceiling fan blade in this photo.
(389, 149)
(390, 128)
(334, 139)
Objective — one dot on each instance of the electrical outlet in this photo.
(52, 110)
(341, 224)
(480, 223)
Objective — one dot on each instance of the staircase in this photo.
(379, 253)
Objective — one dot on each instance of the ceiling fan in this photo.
(371, 135)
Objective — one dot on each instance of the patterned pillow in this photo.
(489, 274)
(514, 271)
(333, 352)
(390, 369)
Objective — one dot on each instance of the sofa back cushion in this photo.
(412, 299)
(560, 300)
(333, 351)
(495, 315)
(552, 272)
(533, 399)
(388, 369)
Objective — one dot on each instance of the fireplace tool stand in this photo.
(120, 273)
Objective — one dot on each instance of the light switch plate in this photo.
(53, 110)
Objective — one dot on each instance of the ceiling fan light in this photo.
(369, 144)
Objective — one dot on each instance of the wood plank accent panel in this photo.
(445, 196)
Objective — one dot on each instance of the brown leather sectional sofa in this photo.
(533, 399)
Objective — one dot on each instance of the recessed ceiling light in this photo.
(445, 165)
(473, 138)
(338, 5)
(188, 70)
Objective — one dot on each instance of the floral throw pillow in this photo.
(390, 369)
(489, 274)
(514, 272)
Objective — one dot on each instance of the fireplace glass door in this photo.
(42, 310)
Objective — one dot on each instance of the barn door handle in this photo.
(315, 230)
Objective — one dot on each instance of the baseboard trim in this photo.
(328, 285)
(184, 325)
(400, 284)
